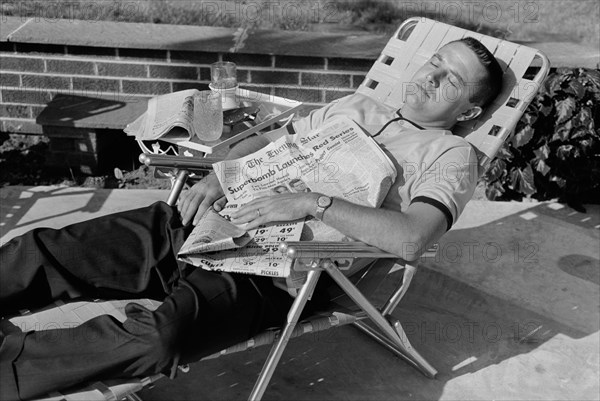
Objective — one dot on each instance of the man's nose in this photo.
(432, 80)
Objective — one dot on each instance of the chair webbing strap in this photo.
(108, 394)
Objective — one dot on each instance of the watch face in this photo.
(323, 201)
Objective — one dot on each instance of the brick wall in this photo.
(32, 73)
(42, 57)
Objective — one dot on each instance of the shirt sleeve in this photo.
(449, 182)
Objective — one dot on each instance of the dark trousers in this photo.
(122, 256)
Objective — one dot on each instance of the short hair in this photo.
(491, 86)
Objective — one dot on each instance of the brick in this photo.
(21, 126)
(268, 90)
(347, 64)
(73, 67)
(299, 94)
(205, 74)
(14, 111)
(336, 94)
(36, 110)
(193, 57)
(243, 76)
(39, 48)
(357, 80)
(249, 60)
(22, 64)
(274, 77)
(146, 87)
(144, 54)
(91, 51)
(325, 80)
(301, 63)
(45, 81)
(95, 86)
(180, 86)
(174, 72)
(7, 47)
(26, 96)
(9, 80)
(122, 70)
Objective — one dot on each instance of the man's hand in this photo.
(275, 208)
(194, 202)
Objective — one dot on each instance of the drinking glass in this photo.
(223, 75)
(208, 116)
(224, 81)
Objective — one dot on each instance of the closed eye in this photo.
(455, 76)
(435, 64)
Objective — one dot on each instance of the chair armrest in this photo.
(323, 250)
(178, 162)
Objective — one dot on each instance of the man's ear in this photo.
(470, 114)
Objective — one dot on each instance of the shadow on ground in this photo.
(494, 325)
(24, 199)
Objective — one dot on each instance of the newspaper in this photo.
(338, 160)
(167, 115)
(217, 244)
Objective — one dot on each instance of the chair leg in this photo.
(404, 351)
(392, 335)
(277, 350)
(182, 176)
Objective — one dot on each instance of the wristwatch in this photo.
(323, 202)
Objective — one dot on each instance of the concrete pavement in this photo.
(509, 309)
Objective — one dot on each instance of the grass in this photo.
(525, 20)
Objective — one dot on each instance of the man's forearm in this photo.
(208, 192)
(399, 233)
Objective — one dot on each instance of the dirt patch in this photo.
(22, 163)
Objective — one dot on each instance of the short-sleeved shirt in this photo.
(433, 166)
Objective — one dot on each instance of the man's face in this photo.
(440, 90)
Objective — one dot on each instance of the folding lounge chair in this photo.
(414, 43)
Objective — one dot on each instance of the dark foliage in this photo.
(555, 150)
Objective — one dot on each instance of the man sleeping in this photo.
(133, 254)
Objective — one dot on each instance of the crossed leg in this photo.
(124, 256)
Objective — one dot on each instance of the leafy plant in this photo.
(555, 151)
